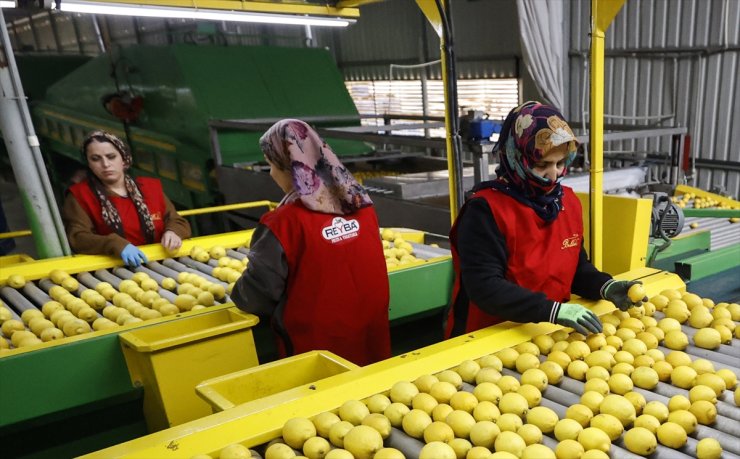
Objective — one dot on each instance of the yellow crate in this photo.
(227, 391)
(168, 360)
(7, 261)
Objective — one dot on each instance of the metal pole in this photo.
(25, 158)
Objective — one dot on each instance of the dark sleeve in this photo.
(81, 232)
(174, 222)
(483, 261)
(262, 285)
(588, 280)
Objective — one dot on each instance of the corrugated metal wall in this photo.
(670, 58)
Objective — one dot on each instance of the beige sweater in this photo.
(83, 238)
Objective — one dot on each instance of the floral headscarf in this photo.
(529, 132)
(108, 209)
(320, 180)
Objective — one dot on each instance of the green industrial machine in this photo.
(160, 100)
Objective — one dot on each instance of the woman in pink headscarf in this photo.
(316, 265)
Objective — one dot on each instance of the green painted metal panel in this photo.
(714, 213)
(421, 289)
(710, 263)
(60, 378)
(681, 247)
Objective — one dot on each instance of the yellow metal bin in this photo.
(170, 359)
(224, 392)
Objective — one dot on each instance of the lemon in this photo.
(468, 369)
(363, 442)
(542, 417)
(513, 402)
(645, 378)
(487, 374)
(480, 452)
(609, 424)
(705, 412)
(567, 429)
(640, 441)
(526, 361)
(702, 392)
(577, 370)
(660, 301)
(279, 451)
(619, 407)
(440, 412)
(685, 419)
(451, 377)
(323, 422)
(316, 448)
(461, 423)
(442, 391)
(637, 400)
(538, 451)
(464, 401)
(491, 361)
(600, 359)
(569, 449)
(624, 334)
(377, 403)
(508, 357)
(353, 411)
(708, 448)
(707, 338)
(553, 371)
(620, 384)
(671, 435)
(414, 423)
(425, 402)
(593, 438)
(683, 376)
(235, 451)
(378, 422)
(338, 431)
(637, 293)
(484, 411)
(647, 421)
(510, 442)
(664, 370)
(531, 393)
(535, 377)
(623, 368)
(384, 453)
(484, 433)
(577, 350)
(580, 413)
(633, 323)
(508, 384)
(438, 431)
(461, 447)
(509, 422)
(560, 346)
(530, 434)
(297, 430)
(592, 400)
(395, 413)
(545, 342)
(487, 392)
(424, 382)
(729, 377)
(678, 402)
(700, 317)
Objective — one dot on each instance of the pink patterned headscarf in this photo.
(320, 180)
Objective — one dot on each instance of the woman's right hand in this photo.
(579, 318)
(132, 256)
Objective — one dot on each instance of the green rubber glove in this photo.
(579, 318)
(617, 292)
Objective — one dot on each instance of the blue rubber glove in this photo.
(616, 292)
(132, 256)
(579, 318)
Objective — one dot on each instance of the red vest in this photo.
(337, 289)
(548, 269)
(151, 189)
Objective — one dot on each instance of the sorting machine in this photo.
(257, 422)
(81, 393)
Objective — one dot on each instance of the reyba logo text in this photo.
(571, 242)
(340, 230)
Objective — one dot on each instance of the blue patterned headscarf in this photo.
(529, 132)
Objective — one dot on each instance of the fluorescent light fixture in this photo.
(197, 13)
(7, 4)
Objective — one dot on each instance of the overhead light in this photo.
(198, 13)
(7, 4)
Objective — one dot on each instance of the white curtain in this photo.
(541, 33)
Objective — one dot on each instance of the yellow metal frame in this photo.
(250, 6)
(257, 422)
(602, 14)
(684, 189)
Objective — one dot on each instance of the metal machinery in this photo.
(254, 423)
(109, 384)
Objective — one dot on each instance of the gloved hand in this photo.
(579, 318)
(132, 256)
(617, 292)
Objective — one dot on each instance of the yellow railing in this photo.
(185, 213)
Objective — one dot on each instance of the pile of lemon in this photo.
(396, 249)
(75, 311)
(480, 410)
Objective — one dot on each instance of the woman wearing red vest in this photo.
(110, 213)
(316, 265)
(517, 243)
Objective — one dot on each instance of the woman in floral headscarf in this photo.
(517, 243)
(316, 265)
(109, 212)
